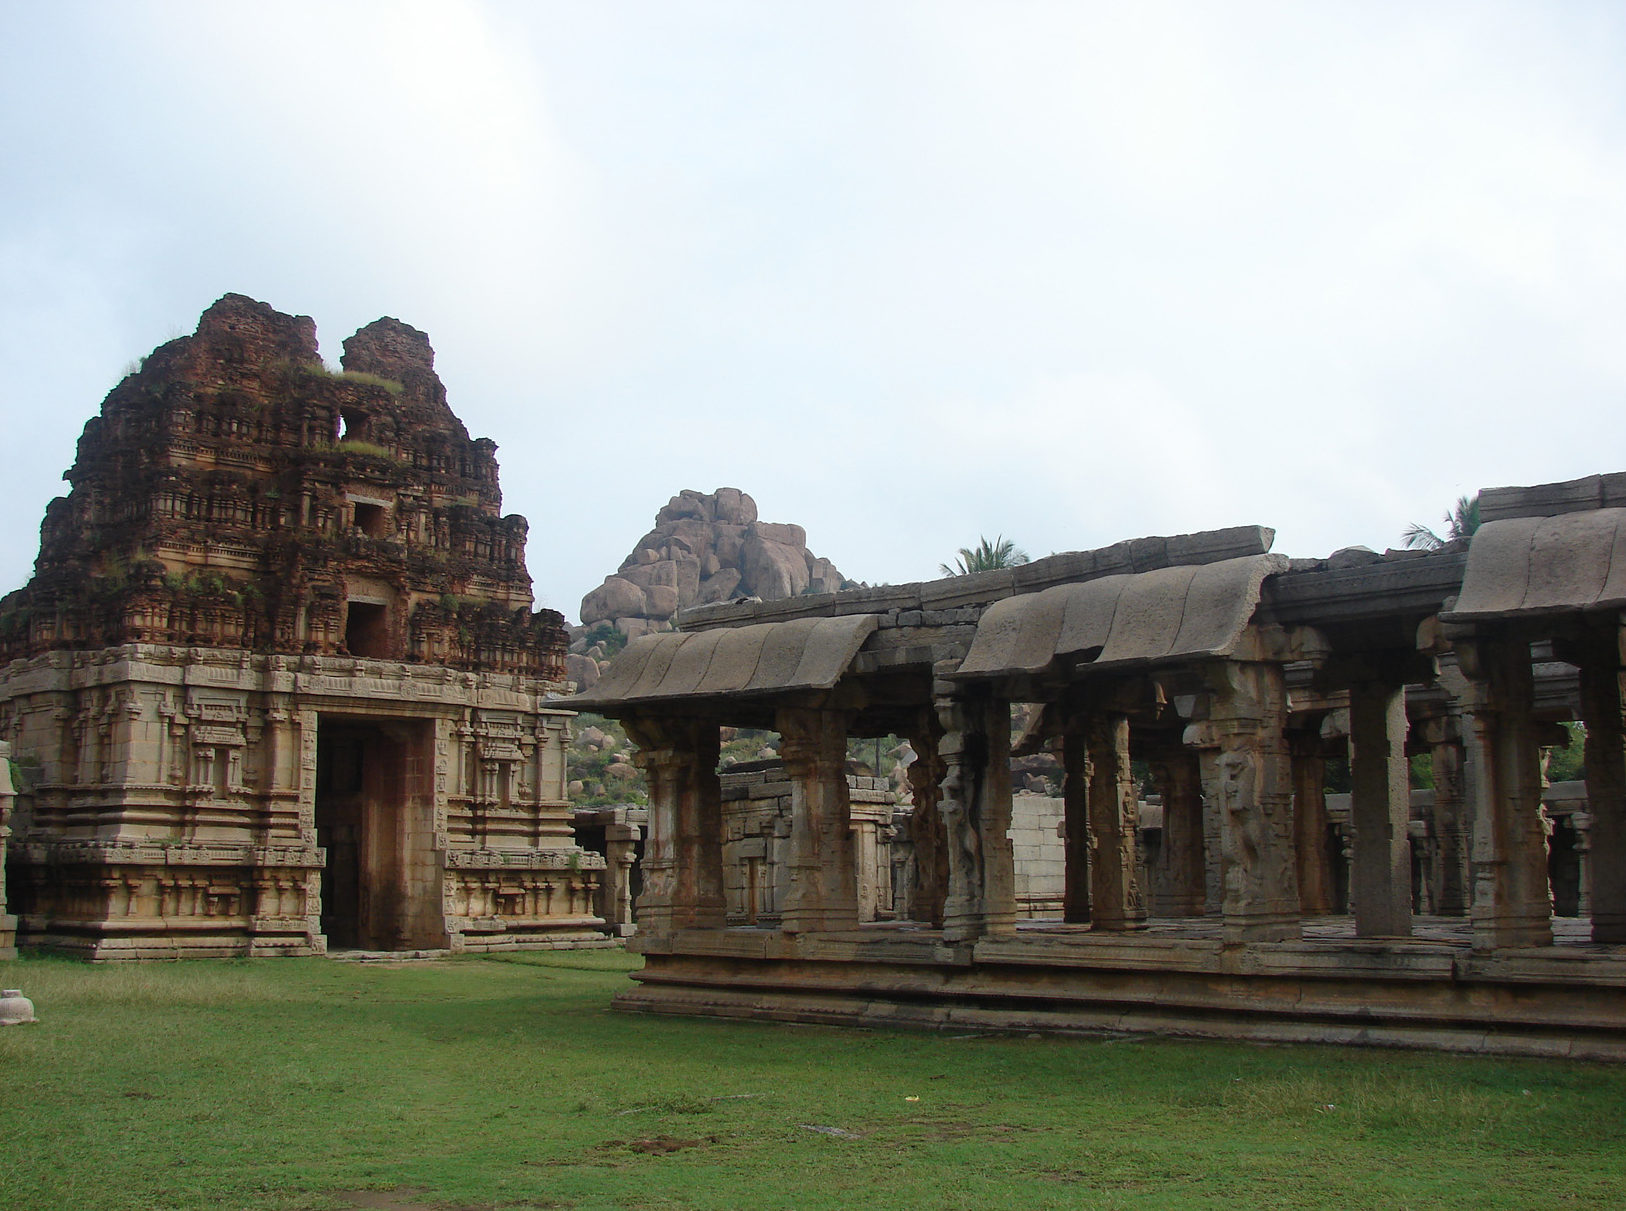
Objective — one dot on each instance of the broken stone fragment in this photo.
(15, 1008)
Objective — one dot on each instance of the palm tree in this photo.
(1461, 522)
(985, 557)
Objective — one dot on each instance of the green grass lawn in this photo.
(508, 1083)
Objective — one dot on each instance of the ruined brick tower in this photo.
(276, 682)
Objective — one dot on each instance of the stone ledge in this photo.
(872, 1012)
(1486, 1017)
(569, 861)
(170, 853)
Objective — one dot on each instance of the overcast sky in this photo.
(908, 273)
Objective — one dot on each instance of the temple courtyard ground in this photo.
(509, 1083)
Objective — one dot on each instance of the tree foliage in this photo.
(1460, 522)
(986, 557)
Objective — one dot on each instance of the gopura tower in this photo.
(276, 684)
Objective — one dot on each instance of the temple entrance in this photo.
(381, 887)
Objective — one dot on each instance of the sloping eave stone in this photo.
(1171, 614)
(765, 658)
(1533, 566)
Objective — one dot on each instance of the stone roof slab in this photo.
(782, 647)
(1180, 613)
(758, 660)
(1522, 566)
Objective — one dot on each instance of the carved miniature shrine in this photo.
(276, 684)
(1230, 676)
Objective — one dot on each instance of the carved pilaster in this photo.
(823, 891)
(1448, 820)
(926, 824)
(1260, 896)
(1511, 902)
(976, 811)
(1177, 888)
(1075, 825)
(1604, 855)
(1116, 900)
(683, 858)
(1310, 822)
(1380, 808)
(621, 856)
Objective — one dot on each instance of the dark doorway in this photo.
(1564, 868)
(372, 520)
(381, 887)
(1338, 867)
(367, 630)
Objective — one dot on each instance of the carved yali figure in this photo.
(1242, 833)
(960, 825)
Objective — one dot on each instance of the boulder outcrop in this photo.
(706, 547)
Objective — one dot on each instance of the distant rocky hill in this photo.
(705, 547)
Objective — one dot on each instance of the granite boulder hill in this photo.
(705, 547)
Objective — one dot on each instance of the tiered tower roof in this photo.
(235, 492)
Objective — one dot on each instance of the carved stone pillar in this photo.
(866, 862)
(994, 814)
(1511, 903)
(276, 763)
(1203, 742)
(1582, 823)
(1448, 818)
(931, 869)
(683, 858)
(1255, 800)
(1310, 822)
(1075, 826)
(1380, 808)
(976, 811)
(1178, 890)
(621, 856)
(1605, 846)
(823, 891)
(1116, 900)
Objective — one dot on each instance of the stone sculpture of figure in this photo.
(964, 848)
(929, 852)
(1241, 832)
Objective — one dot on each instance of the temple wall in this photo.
(757, 823)
(1039, 854)
(171, 804)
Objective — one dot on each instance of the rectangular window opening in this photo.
(366, 630)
